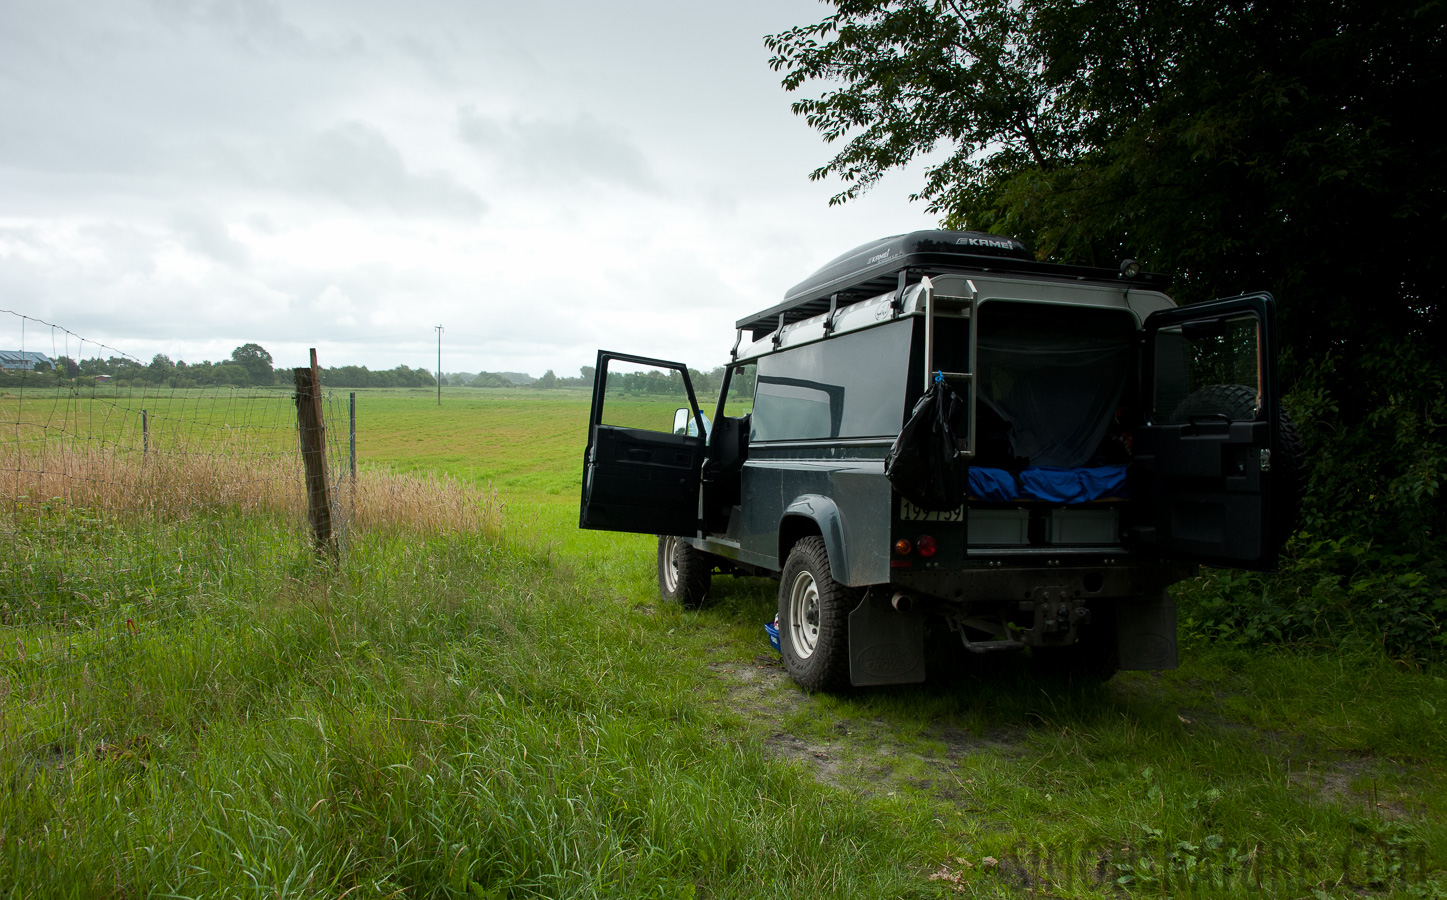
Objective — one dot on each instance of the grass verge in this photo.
(508, 711)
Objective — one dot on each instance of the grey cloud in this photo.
(351, 163)
(557, 153)
(201, 231)
(102, 283)
(256, 27)
(357, 165)
(435, 61)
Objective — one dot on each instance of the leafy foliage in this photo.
(362, 377)
(1279, 145)
(255, 360)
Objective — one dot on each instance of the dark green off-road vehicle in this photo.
(1106, 442)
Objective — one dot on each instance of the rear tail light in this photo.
(925, 545)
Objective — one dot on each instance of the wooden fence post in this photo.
(314, 454)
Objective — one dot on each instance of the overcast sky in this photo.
(542, 179)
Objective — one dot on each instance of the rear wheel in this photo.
(684, 572)
(814, 618)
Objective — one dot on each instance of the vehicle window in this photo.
(852, 386)
(741, 390)
(791, 409)
(1207, 369)
(1051, 379)
(642, 397)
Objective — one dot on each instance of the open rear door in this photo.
(1203, 460)
(641, 468)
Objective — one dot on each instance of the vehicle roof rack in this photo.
(880, 266)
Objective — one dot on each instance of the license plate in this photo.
(908, 512)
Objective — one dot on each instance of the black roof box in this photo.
(874, 268)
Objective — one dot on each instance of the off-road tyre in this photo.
(1288, 480)
(684, 572)
(814, 618)
(1288, 475)
(1235, 401)
(1092, 659)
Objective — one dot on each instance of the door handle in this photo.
(640, 453)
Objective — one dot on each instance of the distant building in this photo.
(23, 360)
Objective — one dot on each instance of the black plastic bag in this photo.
(925, 465)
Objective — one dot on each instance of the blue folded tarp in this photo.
(1073, 485)
(994, 485)
(1064, 486)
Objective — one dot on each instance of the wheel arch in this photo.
(812, 514)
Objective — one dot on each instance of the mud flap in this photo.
(885, 646)
(1146, 632)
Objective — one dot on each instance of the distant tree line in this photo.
(250, 365)
(705, 384)
(362, 377)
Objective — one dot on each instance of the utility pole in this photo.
(439, 365)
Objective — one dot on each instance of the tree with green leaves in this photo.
(1285, 145)
(255, 360)
(161, 368)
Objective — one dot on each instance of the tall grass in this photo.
(426, 503)
(234, 478)
(126, 481)
(458, 709)
(439, 717)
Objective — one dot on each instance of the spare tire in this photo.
(1288, 466)
(1234, 401)
(1288, 483)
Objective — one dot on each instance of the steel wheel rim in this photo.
(804, 615)
(670, 564)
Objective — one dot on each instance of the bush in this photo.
(1369, 562)
(1328, 592)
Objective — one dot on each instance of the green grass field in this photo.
(516, 714)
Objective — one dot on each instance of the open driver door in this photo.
(641, 470)
(1204, 459)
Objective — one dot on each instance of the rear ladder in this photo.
(962, 306)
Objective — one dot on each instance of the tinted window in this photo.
(851, 386)
(1207, 369)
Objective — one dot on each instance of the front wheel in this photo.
(814, 618)
(684, 572)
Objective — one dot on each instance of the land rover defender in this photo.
(1108, 442)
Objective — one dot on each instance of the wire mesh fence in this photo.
(124, 504)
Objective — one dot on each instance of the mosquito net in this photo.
(1055, 374)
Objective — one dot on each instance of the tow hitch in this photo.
(1056, 614)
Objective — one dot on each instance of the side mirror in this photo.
(682, 418)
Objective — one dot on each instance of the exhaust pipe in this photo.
(902, 602)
